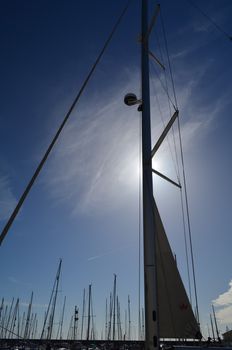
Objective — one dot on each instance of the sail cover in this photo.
(176, 318)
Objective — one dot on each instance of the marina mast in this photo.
(150, 273)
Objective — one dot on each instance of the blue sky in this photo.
(84, 206)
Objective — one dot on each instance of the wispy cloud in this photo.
(7, 199)
(14, 280)
(94, 166)
(95, 163)
(224, 304)
(112, 251)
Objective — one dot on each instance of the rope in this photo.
(140, 215)
(186, 246)
(163, 87)
(41, 164)
(176, 107)
(188, 221)
(175, 163)
(168, 140)
(169, 63)
(184, 179)
(219, 28)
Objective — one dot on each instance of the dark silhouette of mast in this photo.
(75, 322)
(89, 316)
(60, 328)
(8, 318)
(83, 314)
(110, 318)
(106, 321)
(13, 320)
(215, 321)
(22, 325)
(52, 305)
(129, 319)
(114, 305)
(26, 331)
(92, 317)
(212, 326)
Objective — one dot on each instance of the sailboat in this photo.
(168, 311)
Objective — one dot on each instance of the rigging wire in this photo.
(140, 222)
(212, 21)
(168, 139)
(168, 57)
(163, 87)
(176, 108)
(188, 220)
(186, 245)
(42, 162)
(173, 88)
(184, 176)
(184, 179)
(181, 192)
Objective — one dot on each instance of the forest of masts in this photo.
(14, 324)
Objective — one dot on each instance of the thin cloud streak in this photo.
(97, 153)
(112, 251)
(17, 281)
(7, 199)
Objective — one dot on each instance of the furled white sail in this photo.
(176, 318)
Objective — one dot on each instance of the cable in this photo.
(168, 140)
(186, 246)
(188, 221)
(184, 179)
(163, 87)
(169, 63)
(42, 162)
(140, 211)
(220, 29)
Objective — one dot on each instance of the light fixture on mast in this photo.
(131, 99)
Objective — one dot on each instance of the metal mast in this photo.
(83, 315)
(26, 331)
(89, 305)
(215, 321)
(114, 305)
(75, 322)
(150, 288)
(106, 321)
(129, 319)
(60, 328)
(52, 305)
(211, 321)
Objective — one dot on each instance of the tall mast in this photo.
(75, 323)
(211, 321)
(60, 328)
(150, 287)
(9, 318)
(92, 317)
(52, 305)
(215, 321)
(106, 321)
(129, 319)
(89, 304)
(26, 331)
(83, 315)
(114, 305)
